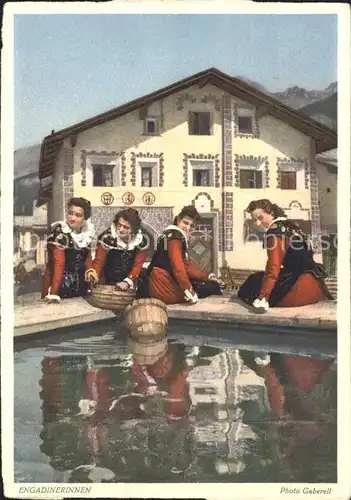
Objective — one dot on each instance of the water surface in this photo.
(87, 410)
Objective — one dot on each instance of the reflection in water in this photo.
(193, 414)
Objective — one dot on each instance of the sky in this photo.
(70, 67)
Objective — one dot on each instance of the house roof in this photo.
(325, 137)
(329, 157)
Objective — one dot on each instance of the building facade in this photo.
(209, 140)
(327, 172)
(29, 235)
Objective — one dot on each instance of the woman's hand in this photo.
(260, 305)
(190, 296)
(52, 299)
(213, 277)
(122, 285)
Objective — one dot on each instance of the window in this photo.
(292, 175)
(288, 179)
(201, 173)
(199, 123)
(201, 178)
(245, 125)
(245, 117)
(147, 173)
(250, 178)
(103, 175)
(150, 126)
(146, 176)
(103, 170)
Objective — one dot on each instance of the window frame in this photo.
(141, 176)
(245, 132)
(293, 166)
(245, 112)
(210, 123)
(255, 166)
(154, 165)
(103, 161)
(150, 119)
(191, 170)
(287, 180)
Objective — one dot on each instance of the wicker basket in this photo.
(147, 354)
(107, 297)
(146, 320)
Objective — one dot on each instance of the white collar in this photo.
(274, 221)
(134, 242)
(172, 226)
(85, 235)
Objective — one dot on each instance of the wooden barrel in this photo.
(107, 297)
(146, 320)
(147, 354)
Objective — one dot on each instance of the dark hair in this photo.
(82, 203)
(188, 211)
(130, 215)
(267, 206)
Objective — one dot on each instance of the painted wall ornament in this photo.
(128, 198)
(107, 198)
(149, 198)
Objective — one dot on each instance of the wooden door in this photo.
(201, 245)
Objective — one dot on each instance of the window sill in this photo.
(152, 135)
(246, 135)
(201, 135)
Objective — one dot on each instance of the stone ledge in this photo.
(41, 317)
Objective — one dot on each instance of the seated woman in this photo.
(121, 252)
(69, 254)
(172, 277)
(292, 278)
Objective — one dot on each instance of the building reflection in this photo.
(192, 410)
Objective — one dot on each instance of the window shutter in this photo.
(191, 122)
(258, 175)
(244, 178)
(204, 123)
(288, 179)
(97, 175)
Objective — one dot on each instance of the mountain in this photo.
(321, 105)
(296, 97)
(326, 107)
(26, 161)
(26, 179)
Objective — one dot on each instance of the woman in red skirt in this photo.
(291, 278)
(69, 253)
(172, 277)
(121, 252)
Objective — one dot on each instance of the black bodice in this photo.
(161, 257)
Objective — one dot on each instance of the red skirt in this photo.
(161, 286)
(307, 290)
